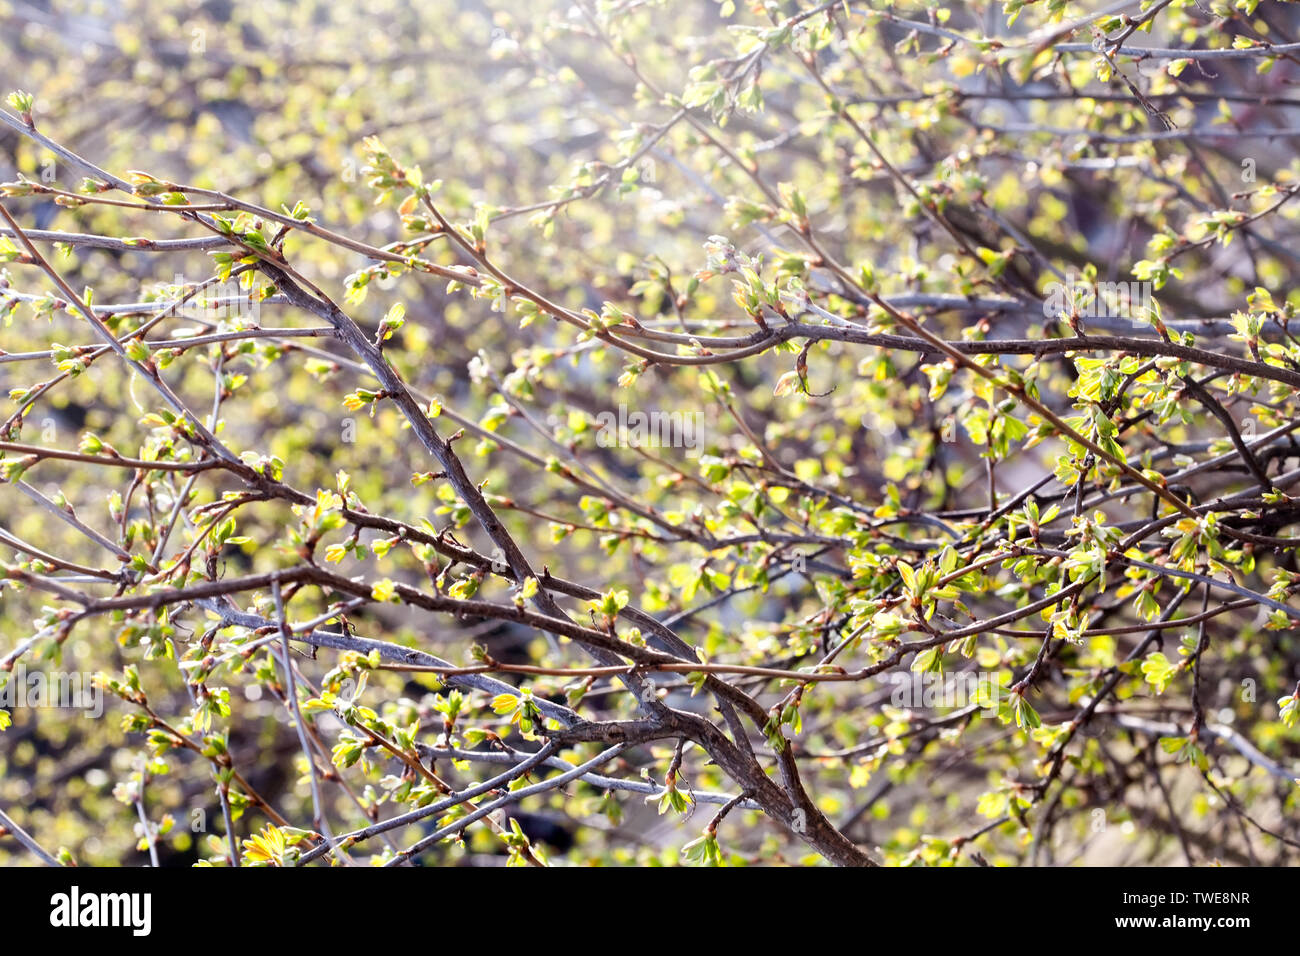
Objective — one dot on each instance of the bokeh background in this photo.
(514, 104)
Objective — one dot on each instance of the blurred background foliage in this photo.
(510, 105)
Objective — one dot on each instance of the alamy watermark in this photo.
(650, 429)
(70, 690)
(948, 690)
(215, 302)
(75, 909)
(1080, 298)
